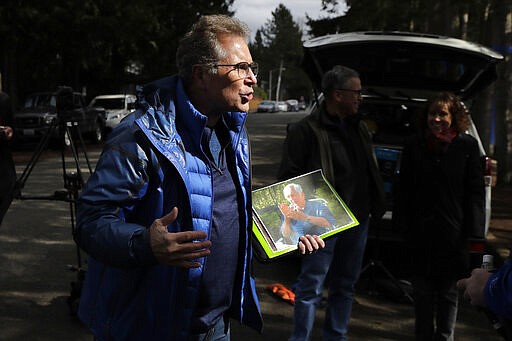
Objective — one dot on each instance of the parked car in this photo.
(302, 105)
(282, 106)
(116, 108)
(399, 72)
(293, 105)
(267, 106)
(44, 110)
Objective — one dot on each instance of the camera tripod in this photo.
(73, 183)
(376, 263)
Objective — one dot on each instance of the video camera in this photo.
(64, 102)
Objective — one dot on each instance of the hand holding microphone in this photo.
(474, 291)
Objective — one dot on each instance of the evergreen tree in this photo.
(98, 45)
(279, 42)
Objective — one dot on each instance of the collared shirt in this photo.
(220, 267)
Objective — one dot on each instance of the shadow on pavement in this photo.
(36, 250)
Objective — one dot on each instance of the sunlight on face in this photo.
(227, 91)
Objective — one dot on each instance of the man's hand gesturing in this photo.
(180, 249)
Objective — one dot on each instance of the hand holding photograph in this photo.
(284, 211)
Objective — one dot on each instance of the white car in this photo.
(267, 106)
(116, 108)
(282, 106)
(293, 105)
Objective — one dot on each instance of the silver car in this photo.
(267, 106)
(116, 108)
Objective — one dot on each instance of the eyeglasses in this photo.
(243, 68)
(357, 92)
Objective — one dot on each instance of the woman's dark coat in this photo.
(441, 204)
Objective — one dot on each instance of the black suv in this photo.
(399, 72)
(41, 110)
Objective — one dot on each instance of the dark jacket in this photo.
(498, 291)
(153, 162)
(6, 119)
(309, 146)
(441, 204)
(7, 170)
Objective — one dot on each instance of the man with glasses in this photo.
(166, 216)
(336, 140)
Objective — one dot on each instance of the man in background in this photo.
(334, 138)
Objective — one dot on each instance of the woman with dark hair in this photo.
(440, 207)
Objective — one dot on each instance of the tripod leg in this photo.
(74, 152)
(367, 266)
(41, 147)
(74, 182)
(72, 211)
(395, 282)
(82, 145)
(376, 262)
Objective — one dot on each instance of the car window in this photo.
(109, 103)
(40, 101)
(391, 123)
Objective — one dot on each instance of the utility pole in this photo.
(279, 80)
(270, 85)
(281, 68)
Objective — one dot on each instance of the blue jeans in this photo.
(435, 300)
(343, 255)
(219, 332)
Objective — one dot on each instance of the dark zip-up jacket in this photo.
(310, 145)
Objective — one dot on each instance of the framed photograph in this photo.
(286, 210)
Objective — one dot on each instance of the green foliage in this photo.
(100, 44)
(280, 39)
(459, 18)
(259, 92)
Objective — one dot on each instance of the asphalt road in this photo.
(37, 251)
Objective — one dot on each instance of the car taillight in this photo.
(490, 171)
(487, 166)
(477, 246)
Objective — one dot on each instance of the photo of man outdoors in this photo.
(301, 216)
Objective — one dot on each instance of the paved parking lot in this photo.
(36, 252)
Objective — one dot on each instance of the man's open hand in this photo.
(180, 249)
